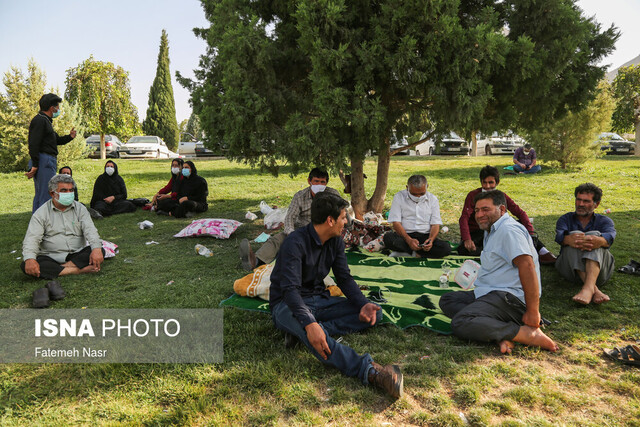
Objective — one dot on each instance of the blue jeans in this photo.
(336, 316)
(47, 168)
(534, 169)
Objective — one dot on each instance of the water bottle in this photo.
(203, 250)
(444, 281)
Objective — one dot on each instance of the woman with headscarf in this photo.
(110, 192)
(67, 171)
(191, 195)
(169, 191)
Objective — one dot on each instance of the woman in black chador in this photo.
(192, 194)
(110, 192)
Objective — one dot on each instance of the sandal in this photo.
(632, 268)
(629, 355)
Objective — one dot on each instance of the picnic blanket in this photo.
(407, 289)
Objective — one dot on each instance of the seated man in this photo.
(525, 159)
(472, 236)
(302, 307)
(585, 238)
(57, 234)
(504, 306)
(298, 215)
(415, 219)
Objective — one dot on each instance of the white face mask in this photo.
(318, 188)
(109, 170)
(417, 199)
(175, 171)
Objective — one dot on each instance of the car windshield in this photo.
(147, 139)
(96, 138)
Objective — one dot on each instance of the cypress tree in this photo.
(161, 113)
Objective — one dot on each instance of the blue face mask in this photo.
(56, 114)
(65, 199)
(186, 172)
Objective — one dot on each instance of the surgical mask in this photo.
(417, 199)
(318, 188)
(65, 199)
(175, 171)
(186, 172)
(56, 114)
(109, 170)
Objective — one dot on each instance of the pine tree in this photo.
(161, 113)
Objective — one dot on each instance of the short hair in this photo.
(318, 173)
(49, 100)
(590, 188)
(417, 181)
(488, 171)
(60, 178)
(325, 204)
(497, 197)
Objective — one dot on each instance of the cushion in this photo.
(219, 228)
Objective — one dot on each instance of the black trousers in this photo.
(50, 268)
(394, 242)
(115, 207)
(179, 210)
(495, 316)
(478, 239)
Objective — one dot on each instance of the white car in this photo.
(499, 144)
(448, 143)
(145, 147)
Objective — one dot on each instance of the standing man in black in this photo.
(43, 147)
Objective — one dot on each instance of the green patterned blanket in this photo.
(407, 289)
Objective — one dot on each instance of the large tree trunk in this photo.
(637, 117)
(474, 143)
(359, 200)
(103, 149)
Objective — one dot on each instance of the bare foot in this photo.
(584, 296)
(506, 346)
(534, 336)
(599, 297)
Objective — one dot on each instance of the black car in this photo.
(613, 143)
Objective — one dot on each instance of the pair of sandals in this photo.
(632, 268)
(629, 355)
(52, 291)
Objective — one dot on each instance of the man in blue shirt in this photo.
(504, 306)
(585, 238)
(302, 307)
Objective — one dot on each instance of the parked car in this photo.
(613, 143)
(448, 143)
(396, 143)
(145, 147)
(111, 144)
(187, 148)
(499, 144)
(202, 151)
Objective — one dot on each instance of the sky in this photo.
(61, 34)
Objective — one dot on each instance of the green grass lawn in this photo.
(262, 383)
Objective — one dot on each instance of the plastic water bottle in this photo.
(444, 281)
(203, 250)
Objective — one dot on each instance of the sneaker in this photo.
(247, 256)
(165, 213)
(55, 290)
(41, 298)
(388, 378)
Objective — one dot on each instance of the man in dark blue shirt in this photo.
(585, 238)
(302, 307)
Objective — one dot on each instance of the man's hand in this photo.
(163, 196)
(469, 245)
(413, 244)
(368, 313)
(72, 134)
(574, 240)
(318, 340)
(96, 258)
(590, 243)
(109, 199)
(427, 245)
(32, 268)
(31, 173)
(183, 199)
(531, 318)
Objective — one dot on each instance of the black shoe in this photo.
(290, 340)
(41, 298)
(55, 290)
(95, 214)
(164, 213)
(388, 378)
(190, 214)
(247, 256)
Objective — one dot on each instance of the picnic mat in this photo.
(407, 289)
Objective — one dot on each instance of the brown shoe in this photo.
(246, 254)
(388, 377)
(547, 259)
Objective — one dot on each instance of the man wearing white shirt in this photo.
(415, 218)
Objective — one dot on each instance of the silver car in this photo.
(145, 147)
(111, 144)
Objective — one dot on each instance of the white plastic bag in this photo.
(275, 218)
(265, 208)
(466, 275)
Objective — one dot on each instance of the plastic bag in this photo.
(265, 208)
(275, 219)
(467, 274)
